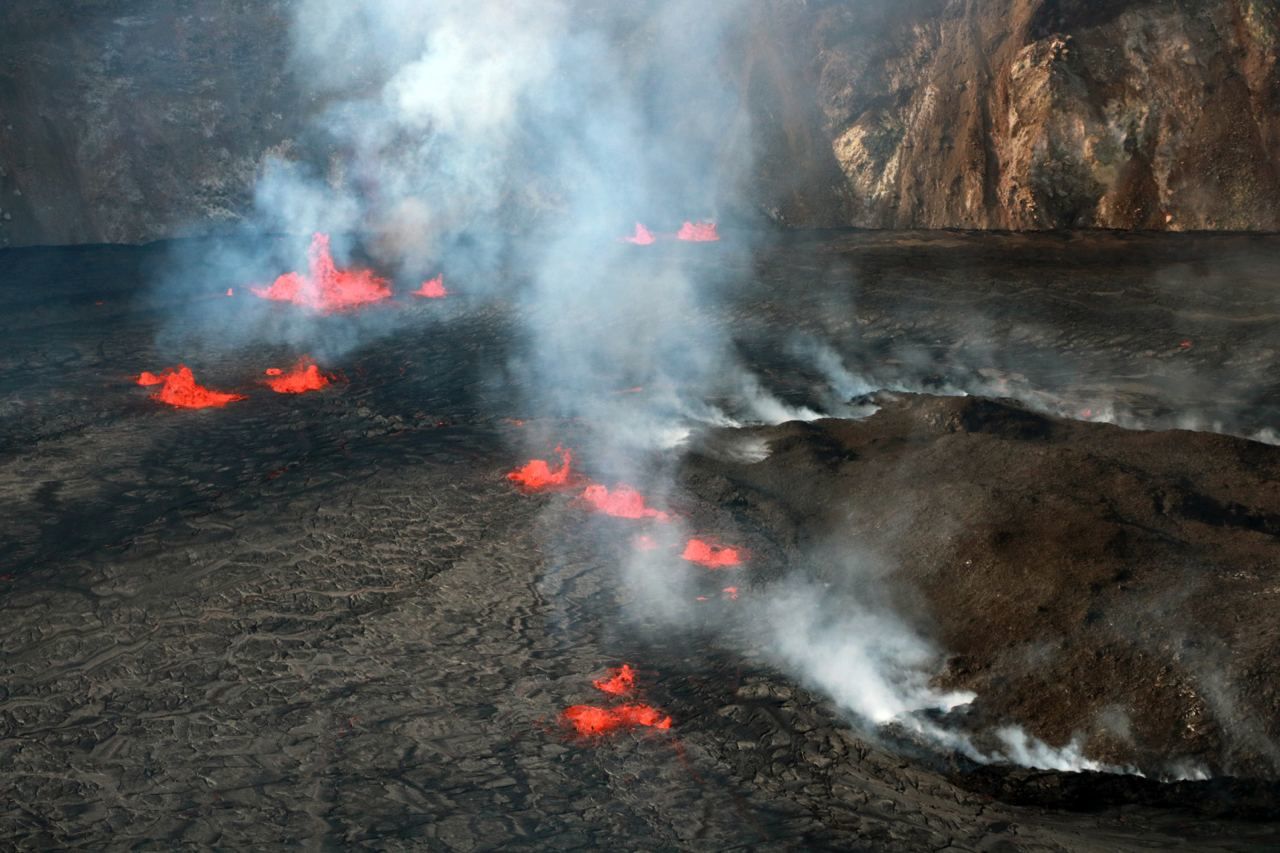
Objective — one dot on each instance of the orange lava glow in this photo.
(537, 475)
(711, 556)
(432, 288)
(302, 377)
(642, 237)
(622, 502)
(731, 592)
(698, 232)
(621, 680)
(592, 720)
(326, 288)
(178, 388)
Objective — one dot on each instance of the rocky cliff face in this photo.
(1031, 114)
(132, 120)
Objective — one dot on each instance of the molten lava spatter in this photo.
(302, 377)
(698, 232)
(590, 720)
(536, 475)
(179, 388)
(432, 288)
(622, 502)
(642, 237)
(711, 556)
(621, 680)
(326, 288)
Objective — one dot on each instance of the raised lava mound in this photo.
(1085, 580)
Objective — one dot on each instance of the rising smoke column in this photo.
(461, 124)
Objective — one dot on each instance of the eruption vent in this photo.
(178, 388)
(326, 288)
(302, 377)
(538, 476)
(621, 680)
(592, 720)
(710, 555)
(622, 502)
(642, 237)
(698, 232)
(432, 288)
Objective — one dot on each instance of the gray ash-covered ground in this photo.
(331, 620)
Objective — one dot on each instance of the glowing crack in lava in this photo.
(591, 720)
(537, 476)
(302, 377)
(326, 288)
(621, 680)
(622, 502)
(178, 388)
(432, 288)
(710, 555)
(642, 237)
(698, 232)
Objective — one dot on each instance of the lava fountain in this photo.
(302, 377)
(592, 720)
(622, 502)
(432, 288)
(537, 475)
(642, 237)
(710, 555)
(326, 288)
(178, 388)
(620, 680)
(698, 232)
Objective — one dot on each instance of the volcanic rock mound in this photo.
(1088, 582)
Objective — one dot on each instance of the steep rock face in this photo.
(1032, 114)
(130, 120)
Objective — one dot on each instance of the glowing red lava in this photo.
(302, 377)
(732, 592)
(711, 556)
(432, 288)
(536, 475)
(179, 388)
(621, 680)
(642, 237)
(644, 542)
(622, 502)
(326, 288)
(590, 720)
(698, 232)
